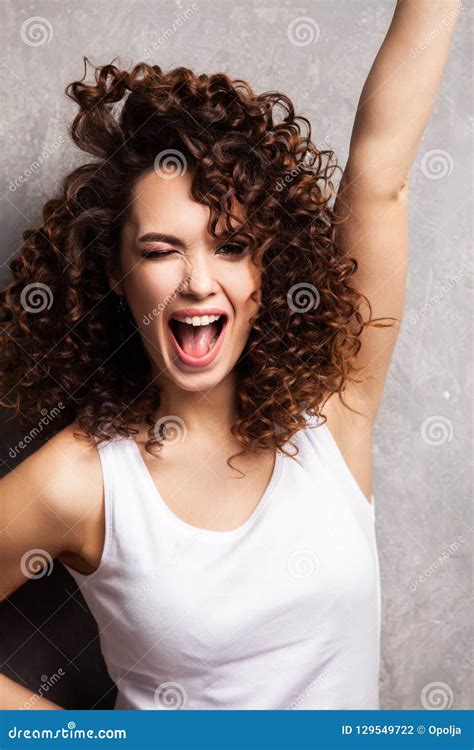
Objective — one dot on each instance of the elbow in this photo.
(396, 190)
(403, 189)
(371, 170)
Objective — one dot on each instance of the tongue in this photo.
(195, 340)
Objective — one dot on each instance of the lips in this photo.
(197, 346)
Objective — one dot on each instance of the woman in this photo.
(192, 312)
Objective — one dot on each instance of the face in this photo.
(174, 283)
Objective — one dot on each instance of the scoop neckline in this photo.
(213, 534)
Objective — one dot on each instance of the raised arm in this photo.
(394, 107)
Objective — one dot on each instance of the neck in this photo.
(205, 414)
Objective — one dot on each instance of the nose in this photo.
(200, 281)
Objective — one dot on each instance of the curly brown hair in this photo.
(69, 353)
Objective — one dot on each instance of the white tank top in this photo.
(281, 613)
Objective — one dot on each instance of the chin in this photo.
(197, 383)
(195, 379)
(193, 373)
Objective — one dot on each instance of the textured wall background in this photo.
(422, 453)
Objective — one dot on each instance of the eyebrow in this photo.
(158, 237)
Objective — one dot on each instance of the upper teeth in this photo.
(200, 320)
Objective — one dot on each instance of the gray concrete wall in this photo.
(422, 447)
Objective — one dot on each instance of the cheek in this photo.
(252, 286)
(245, 296)
(146, 288)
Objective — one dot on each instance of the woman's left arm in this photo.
(394, 107)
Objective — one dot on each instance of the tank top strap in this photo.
(129, 476)
(324, 444)
(129, 511)
(111, 455)
(113, 462)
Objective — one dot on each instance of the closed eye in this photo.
(231, 250)
(155, 253)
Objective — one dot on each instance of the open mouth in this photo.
(198, 342)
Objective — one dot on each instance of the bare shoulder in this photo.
(62, 480)
(352, 432)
